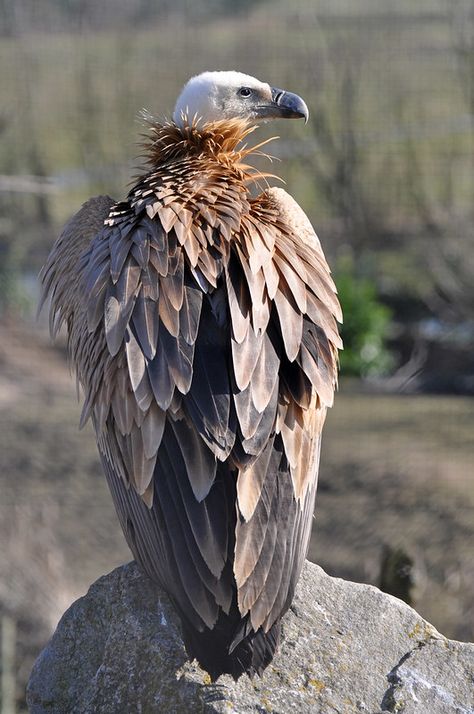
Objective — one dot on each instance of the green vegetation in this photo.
(365, 327)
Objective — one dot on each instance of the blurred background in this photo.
(385, 171)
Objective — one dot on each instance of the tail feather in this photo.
(222, 650)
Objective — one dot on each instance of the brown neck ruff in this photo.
(220, 141)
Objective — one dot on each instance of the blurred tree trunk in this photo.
(7, 18)
(452, 261)
(339, 164)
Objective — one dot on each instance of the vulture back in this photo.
(202, 323)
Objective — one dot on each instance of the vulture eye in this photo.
(245, 91)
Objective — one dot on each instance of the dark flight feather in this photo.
(119, 249)
(146, 322)
(191, 311)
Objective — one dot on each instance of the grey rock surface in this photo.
(346, 648)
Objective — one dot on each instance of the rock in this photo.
(346, 648)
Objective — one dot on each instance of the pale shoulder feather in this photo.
(84, 225)
(292, 213)
(59, 277)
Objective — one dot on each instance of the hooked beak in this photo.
(284, 105)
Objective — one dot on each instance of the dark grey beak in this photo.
(285, 105)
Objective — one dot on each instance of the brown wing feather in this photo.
(245, 356)
(265, 375)
(276, 493)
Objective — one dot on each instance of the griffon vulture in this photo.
(201, 320)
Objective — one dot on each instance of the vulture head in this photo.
(212, 96)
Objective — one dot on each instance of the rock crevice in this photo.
(389, 701)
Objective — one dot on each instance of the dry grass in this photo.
(399, 470)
